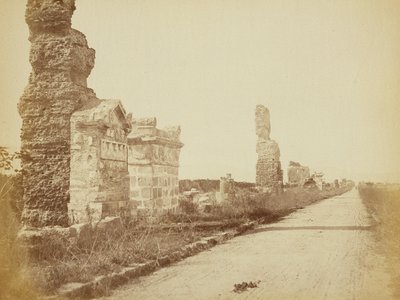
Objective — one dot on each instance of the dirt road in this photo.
(323, 251)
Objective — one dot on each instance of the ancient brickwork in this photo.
(269, 176)
(153, 162)
(297, 174)
(61, 61)
(99, 184)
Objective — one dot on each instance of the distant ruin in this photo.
(269, 175)
(226, 188)
(75, 162)
(297, 174)
(318, 177)
(153, 162)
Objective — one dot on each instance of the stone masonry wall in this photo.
(99, 184)
(61, 61)
(269, 176)
(153, 185)
(153, 162)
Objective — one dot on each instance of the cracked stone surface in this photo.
(61, 62)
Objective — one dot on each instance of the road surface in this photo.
(324, 251)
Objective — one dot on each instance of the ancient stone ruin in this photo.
(75, 162)
(226, 188)
(61, 61)
(297, 174)
(153, 162)
(318, 177)
(269, 175)
(99, 178)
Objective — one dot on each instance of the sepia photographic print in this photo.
(200, 149)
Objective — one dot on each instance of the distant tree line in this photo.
(209, 185)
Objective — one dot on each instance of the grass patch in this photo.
(383, 203)
(103, 253)
(14, 276)
(58, 259)
(267, 208)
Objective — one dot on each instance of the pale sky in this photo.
(328, 71)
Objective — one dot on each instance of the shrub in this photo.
(14, 283)
(187, 206)
(383, 203)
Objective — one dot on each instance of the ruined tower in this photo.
(297, 174)
(61, 62)
(269, 176)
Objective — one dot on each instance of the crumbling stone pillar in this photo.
(269, 176)
(61, 62)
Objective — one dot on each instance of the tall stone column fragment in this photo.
(269, 176)
(61, 62)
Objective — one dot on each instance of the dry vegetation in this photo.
(60, 259)
(383, 203)
(14, 283)
(266, 208)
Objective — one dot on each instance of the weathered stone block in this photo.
(146, 192)
(153, 155)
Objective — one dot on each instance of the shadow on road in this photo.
(286, 228)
